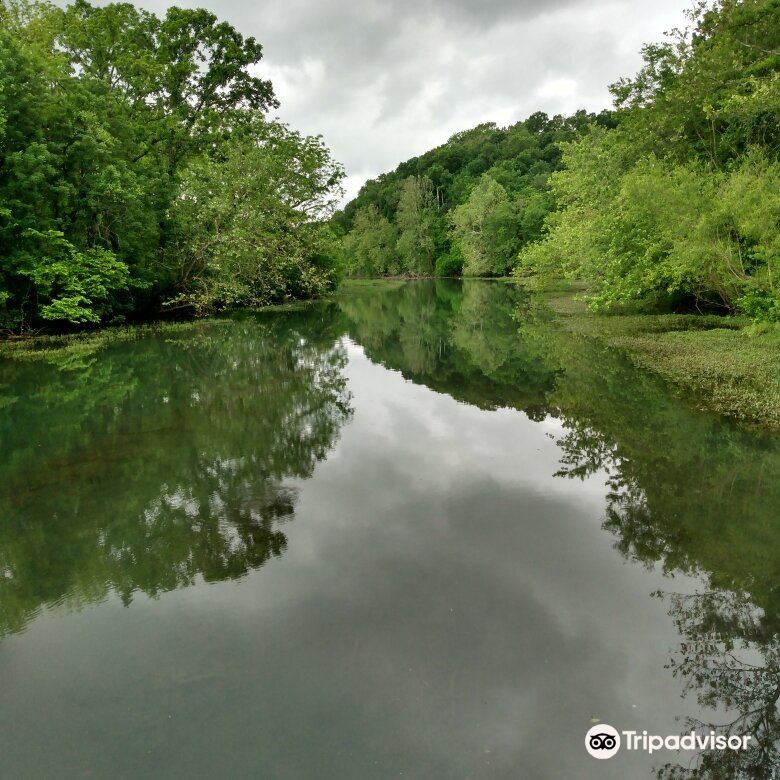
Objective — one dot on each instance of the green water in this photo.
(419, 531)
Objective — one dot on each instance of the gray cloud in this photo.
(383, 81)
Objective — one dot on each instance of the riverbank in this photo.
(41, 345)
(722, 363)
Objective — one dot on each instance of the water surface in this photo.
(420, 531)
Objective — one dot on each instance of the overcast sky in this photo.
(384, 81)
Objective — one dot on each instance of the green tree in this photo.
(105, 116)
(678, 205)
(250, 223)
(370, 245)
(487, 229)
(417, 211)
(519, 157)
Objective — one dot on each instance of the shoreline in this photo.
(39, 344)
(716, 362)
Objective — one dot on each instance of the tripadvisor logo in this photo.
(603, 741)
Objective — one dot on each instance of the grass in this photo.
(721, 363)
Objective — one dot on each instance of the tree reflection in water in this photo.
(685, 490)
(730, 659)
(155, 462)
(144, 465)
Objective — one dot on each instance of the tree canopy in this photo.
(670, 200)
(680, 203)
(121, 133)
(519, 159)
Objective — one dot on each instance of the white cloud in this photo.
(385, 80)
(558, 88)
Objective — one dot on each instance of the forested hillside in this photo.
(140, 174)
(467, 206)
(673, 199)
(680, 204)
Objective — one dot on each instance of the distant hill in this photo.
(400, 222)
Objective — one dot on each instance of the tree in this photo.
(250, 223)
(711, 91)
(487, 227)
(678, 205)
(416, 225)
(370, 245)
(519, 157)
(106, 114)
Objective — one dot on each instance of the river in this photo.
(416, 531)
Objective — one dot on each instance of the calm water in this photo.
(418, 532)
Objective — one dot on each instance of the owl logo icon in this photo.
(602, 741)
